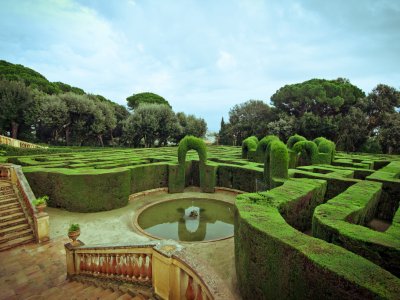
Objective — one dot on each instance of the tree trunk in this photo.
(14, 129)
(55, 136)
(67, 132)
(112, 138)
(100, 137)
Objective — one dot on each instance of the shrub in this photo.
(249, 145)
(40, 200)
(307, 152)
(176, 178)
(262, 147)
(294, 139)
(73, 227)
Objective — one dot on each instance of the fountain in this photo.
(188, 220)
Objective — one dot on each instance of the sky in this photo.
(203, 56)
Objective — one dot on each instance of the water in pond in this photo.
(188, 220)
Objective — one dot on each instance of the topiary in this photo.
(176, 180)
(278, 163)
(325, 146)
(190, 142)
(249, 144)
(307, 152)
(262, 147)
(294, 139)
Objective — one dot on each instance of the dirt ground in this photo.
(117, 227)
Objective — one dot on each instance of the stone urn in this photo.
(73, 233)
(40, 208)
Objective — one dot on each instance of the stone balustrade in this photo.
(17, 143)
(162, 265)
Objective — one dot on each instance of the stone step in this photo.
(5, 206)
(11, 199)
(6, 194)
(12, 216)
(10, 211)
(9, 195)
(15, 234)
(113, 296)
(16, 242)
(125, 297)
(6, 188)
(13, 222)
(73, 287)
(86, 292)
(16, 228)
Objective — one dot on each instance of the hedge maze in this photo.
(312, 223)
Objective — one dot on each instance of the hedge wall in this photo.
(276, 163)
(176, 180)
(276, 261)
(249, 147)
(242, 178)
(338, 222)
(294, 139)
(389, 176)
(262, 147)
(338, 181)
(307, 151)
(82, 191)
(148, 176)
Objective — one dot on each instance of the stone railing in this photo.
(17, 143)
(162, 265)
(40, 221)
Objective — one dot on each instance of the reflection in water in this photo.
(188, 219)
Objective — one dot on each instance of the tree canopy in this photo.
(33, 79)
(246, 119)
(335, 109)
(36, 110)
(145, 98)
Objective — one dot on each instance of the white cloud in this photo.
(226, 61)
(204, 57)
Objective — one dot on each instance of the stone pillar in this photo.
(166, 275)
(72, 264)
(161, 275)
(69, 254)
(42, 227)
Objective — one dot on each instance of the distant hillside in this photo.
(34, 79)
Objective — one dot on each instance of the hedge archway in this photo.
(176, 182)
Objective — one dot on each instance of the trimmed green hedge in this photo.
(326, 150)
(303, 152)
(294, 139)
(307, 152)
(276, 261)
(390, 177)
(276, 163)
(249, 147)
(338, 222)
(243, 178)
(176, 180)
(262, 147)
(82, 191)
(338, 180)
(148, 176)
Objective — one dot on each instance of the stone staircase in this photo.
(15, 228)
(79, 290)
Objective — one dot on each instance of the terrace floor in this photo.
(33, 268)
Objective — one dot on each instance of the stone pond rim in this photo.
(201, 197)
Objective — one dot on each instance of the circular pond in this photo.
(188, 220)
